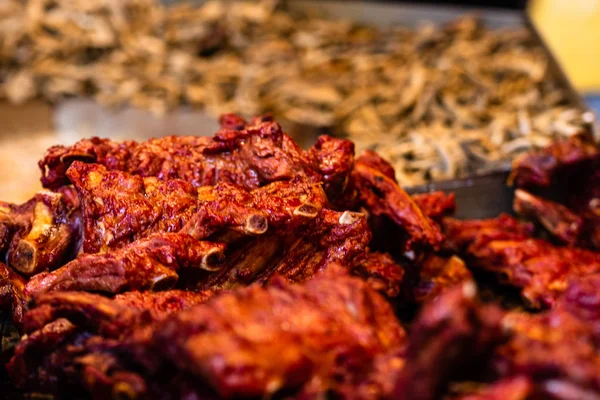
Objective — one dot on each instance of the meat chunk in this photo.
(32, 359)
(557, 348)
(571, 179)
(541, 270)
(41, 234)
(503, 246)
(337, 237)
(297, 256)
(119, 208)
(257, 342)
(250, 157)
(561, 222)
(459, 234)
(107, 317)
(381, 196)
(542, 167)
(12, 296)
(282, 207)
(436, 205)
(332, 334)
(437, 275)
(451, 339)
(381, 272)
(334, 159)
(147, 264)
(76, 336)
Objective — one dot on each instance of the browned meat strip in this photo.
(256, 342)
(451, 339)
(41, 234)
(147, 264)
(561, 222)
(12, 296)
(119, 208)
(437, 275)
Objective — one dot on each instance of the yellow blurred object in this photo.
(572, 30)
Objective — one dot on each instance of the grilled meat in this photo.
(562, 158)
(41, 234)
(119, 208)
(325, 336)
(503, 246)
(561, 222)
(12, 296)
(147, 264)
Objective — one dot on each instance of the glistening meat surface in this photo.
(147, 264)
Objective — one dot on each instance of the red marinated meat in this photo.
(41, 234)
(147, 264)
(561, 222)
(119, 208)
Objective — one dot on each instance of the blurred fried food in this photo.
(437, 102)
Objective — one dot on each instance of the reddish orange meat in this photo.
(146, 264)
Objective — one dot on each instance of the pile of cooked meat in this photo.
(241, 266)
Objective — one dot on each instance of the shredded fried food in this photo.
(437, 102)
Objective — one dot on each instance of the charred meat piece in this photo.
(381, 272)
(283, 207)
(147, 264)
(436, 205)
(451, 339)
(557, 348)
(542, 167)
(107, 317)
(31, 364)
(437, 275)
(381, 196)
(161, 304)
(119, 208)
(41, 234)
(334, 159)
(76, 336)
(573, 180)
(331, 335)
(257, 341)
(297, 256)
(561, 222)
(95, 314)
(459, 234)
(541, 270)
(503, 246)
(336, 237)
(250, 157)
(12, 296)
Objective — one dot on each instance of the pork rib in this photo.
(41, 234)
(147, 264)
(119, 208)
